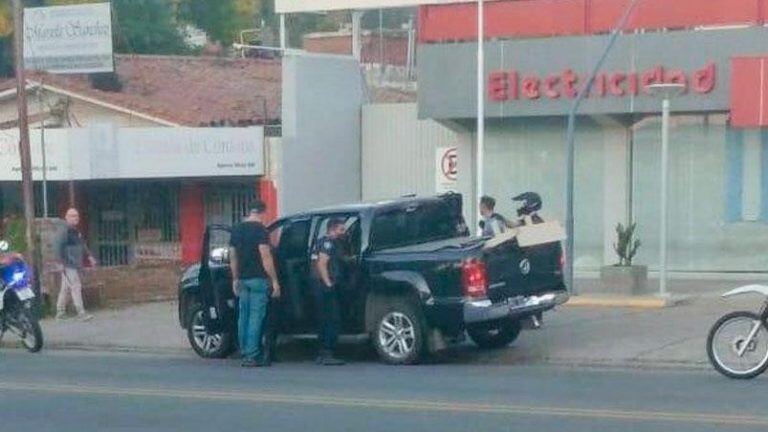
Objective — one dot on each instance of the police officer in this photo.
(326, 276)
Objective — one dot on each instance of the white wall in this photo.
(399, 154)
(320, 151)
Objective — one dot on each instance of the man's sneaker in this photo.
(249, 363)
(84, 317)
(61, 316)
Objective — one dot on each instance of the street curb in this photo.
(645, 302)
(65, 346)
(670, 365)
(583, 363)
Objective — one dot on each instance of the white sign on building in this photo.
(69, 39)
(446, 169)
(107, 152)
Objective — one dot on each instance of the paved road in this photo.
(76, 391)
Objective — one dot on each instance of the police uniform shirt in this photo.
(327, 246)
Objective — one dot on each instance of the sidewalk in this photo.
(669, 337)
(151, 327)
(572, 335)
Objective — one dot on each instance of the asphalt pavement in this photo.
(80, 391)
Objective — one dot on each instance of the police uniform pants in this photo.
(328, 318)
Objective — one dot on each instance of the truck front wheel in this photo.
(494, 335)
(207, 344)
(398, 335)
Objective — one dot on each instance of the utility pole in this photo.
(24, 150)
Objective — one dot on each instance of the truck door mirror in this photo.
(220, 256)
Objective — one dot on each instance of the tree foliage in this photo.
(147, 27)
(222, 20)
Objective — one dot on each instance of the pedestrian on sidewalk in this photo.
(327, 263)
(72, 253)
(253, 271)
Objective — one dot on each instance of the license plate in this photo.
(25, 294)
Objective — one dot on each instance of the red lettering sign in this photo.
(653, 76)
(506, 86)
(704, 79)
(569, 83)
(497, 86)
(531, 87)
(615, 82)
(550, 87)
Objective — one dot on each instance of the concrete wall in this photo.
(399, 154)
(320, 151)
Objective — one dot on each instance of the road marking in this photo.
(386, 404)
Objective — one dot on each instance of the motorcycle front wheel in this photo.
(737, 345)
(29, 330)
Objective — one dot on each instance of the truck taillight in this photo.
(474, 278)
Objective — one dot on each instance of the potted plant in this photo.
(624, 277)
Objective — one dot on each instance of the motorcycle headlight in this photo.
(18, 276)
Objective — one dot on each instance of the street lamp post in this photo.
(666, 91)
(480, 151)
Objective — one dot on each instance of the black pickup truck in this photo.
(414, 281)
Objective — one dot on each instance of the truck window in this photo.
(291, 239)
(351, 243)
(410, 226)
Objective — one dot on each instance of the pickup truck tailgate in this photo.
(515, 271)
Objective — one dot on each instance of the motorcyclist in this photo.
(492, 223)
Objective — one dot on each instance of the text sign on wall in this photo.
(541, 76)
(446, 169)
(511, 85)
(69, 39)
(106, 152)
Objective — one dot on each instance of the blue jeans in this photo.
(253, 302)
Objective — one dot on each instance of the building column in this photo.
(191, 222)
(268, 195)
(616, 187)
(357, 46)
(283, 33)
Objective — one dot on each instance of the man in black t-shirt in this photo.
(253, 270)
(326, 276)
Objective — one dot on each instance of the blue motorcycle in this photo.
(16, 296)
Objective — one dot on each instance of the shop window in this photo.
(227, 204)
(135, 222)
(155, 222)
(746, 189)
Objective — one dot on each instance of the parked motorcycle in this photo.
(16, 296)
(738, 342)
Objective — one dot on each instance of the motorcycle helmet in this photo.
(531, 203)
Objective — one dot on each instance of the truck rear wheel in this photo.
(398, 335)
(494, 335)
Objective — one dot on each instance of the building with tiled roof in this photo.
(182, 91)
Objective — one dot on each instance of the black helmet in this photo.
(531, 203)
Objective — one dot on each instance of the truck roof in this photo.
(367, 207)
